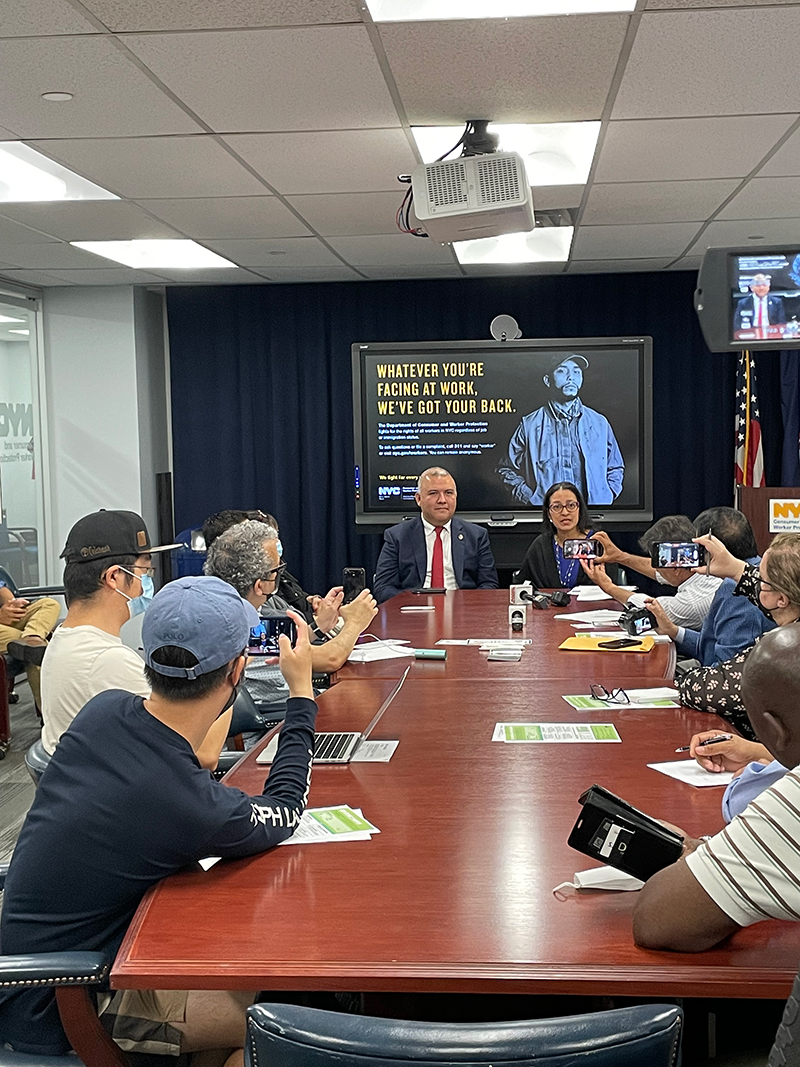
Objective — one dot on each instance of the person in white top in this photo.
(750, 871)
(108, 576)
(694, 592)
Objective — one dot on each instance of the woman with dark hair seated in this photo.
(564, 516)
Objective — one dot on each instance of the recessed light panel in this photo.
(152, 254)
(555, 153)
(25, 332)
(8, 318)
(28, 176)
(547, 244)
(426, 10)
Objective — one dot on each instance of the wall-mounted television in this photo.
(507, 419)
(749, 298)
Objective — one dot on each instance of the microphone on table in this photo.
(542, 601)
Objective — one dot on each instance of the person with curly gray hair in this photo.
(247, 557)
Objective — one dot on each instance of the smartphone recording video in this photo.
(354, 581)
(677, 554)
(582, 548)
(264, 637)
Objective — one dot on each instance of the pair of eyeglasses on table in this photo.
(610, 696)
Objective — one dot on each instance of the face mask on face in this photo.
(138, 605)
(234, 694)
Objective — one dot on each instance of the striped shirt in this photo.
(751, 869)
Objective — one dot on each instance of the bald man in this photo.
(434, 550)
(749, 871)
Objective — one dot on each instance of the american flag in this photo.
(749, 453)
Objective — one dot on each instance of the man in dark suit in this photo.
(759, 309)
(435, 550)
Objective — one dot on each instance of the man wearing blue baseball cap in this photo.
(124, 802)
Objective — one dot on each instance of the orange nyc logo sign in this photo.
(784, 516)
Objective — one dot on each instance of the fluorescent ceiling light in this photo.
(152, 254)
(26, 175)
(546, 244)
(7, 318)
(555, 153)
(25, 332)
(426, 10)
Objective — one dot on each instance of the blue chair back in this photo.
(287, 1035)
(185, 560)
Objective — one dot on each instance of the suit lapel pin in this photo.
(461, 537)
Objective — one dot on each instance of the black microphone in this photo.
(559, 599)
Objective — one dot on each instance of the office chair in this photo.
(295, 1036)
(36, 759)
(10, 667)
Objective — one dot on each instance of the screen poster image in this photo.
(507, 420)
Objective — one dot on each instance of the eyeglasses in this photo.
(274, 574)
(613, 696)
(148, 572)
(572, 506)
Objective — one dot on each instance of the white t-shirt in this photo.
(81, 662)
(751, 868)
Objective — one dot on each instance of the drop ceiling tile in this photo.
(349, 214)
(345, 161)
(33, 277)
(159, 167)
(229, 216)
(288, 252)
(211, 277)
(8, 135)
(725, 234)
(786, 160)
(386, 250)
(676, 149)
(112, 96)
(110, 276)
(632, 242)
(42, 18)
(49, 256)
(627, 202)
(515, 70)
(124, 16)
(14, 234)
(424, 270)
(764, 198)
(553, 197)
(711, 63)
(89, 220)
(687, 263)
(616, 266)
(685, 4)
(317, 78)
(288, 275)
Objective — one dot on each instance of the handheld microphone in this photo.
(559, 598)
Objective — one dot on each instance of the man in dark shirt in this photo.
(124, 802)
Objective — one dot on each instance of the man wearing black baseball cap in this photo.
(563, 441)
(108, 577)
(124, 802)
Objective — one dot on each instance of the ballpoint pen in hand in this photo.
(708, 741)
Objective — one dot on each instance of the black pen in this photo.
(709, 741)
(708, 559)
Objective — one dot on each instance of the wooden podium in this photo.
(754, 502)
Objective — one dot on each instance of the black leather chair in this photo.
(294, 1036)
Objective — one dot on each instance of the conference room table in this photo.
(455, 894)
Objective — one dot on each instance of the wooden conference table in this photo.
(455, 893)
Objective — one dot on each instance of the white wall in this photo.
(17, 465)
(104, 383)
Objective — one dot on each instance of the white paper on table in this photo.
(374, 752)
(377, 650)
(662, 692)
(418, 607)
(209, 862)
(601, 617)
(451, 641)
(690, 772)
(310, 831)
(500, 642)
(588, 593)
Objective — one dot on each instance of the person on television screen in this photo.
(563, 441)
(434, 550)
(759, 309)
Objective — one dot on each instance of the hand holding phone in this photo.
(686, 555)
(296, 659)
(582, 548)
(354, 581)
(265, 637)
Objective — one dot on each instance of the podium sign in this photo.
(784, 515)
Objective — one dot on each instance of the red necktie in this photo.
(761, 314)
(437, 564)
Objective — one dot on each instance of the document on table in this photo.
(600, 617)
(588, 593)
(495, 642)
(590, 703)
(689, 771)
(374, 752)
(377, 650)
(554, 732)
(339, 823)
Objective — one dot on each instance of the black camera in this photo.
(637, 621)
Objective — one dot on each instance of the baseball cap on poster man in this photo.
(560, 357)
(109, 533)
(204, 616)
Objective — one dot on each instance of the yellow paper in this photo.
(591, 643)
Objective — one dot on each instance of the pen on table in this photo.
(708, 558)
(709, 741)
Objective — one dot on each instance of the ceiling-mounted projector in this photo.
(470, 197)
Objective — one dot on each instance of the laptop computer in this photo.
(339, 746)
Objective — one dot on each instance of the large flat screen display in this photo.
(507, 420)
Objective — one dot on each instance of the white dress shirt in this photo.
(447, 554)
